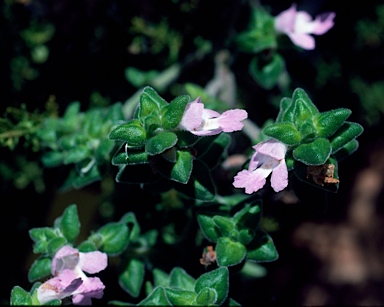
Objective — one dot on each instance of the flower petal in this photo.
(285, 21)
(303, 40)
(303, 23)
(272, 148)
(91, 288)
(66, 257)
(93, 262)
(323, 23)
(279, 177)
(193, 115)
(251, 181)
(230, 120)
(58, 287)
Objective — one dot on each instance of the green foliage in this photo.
(180, 289)
(155, 145)
(40, 268)
(69, 223)
(20, 297)
(238, 237)
(260, 34)
(132, 277)
(81, 139)
(312, 137)
(266, 72)
(160, 35)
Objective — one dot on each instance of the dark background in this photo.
(330, 256)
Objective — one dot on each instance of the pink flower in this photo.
(268, 158)
(68, 267)
(299, 24)
(201, 121)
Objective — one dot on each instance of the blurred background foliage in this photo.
(99, 52)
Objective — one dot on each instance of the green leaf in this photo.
(229, 253)
(41, 237)
(160, 142)
(130, 219)
(70, 117)
(152, 124)
(127, 155)
(267, 74)
(156, 298)
(52, 158)
(263, 249)
(54, 244)
(147, 105)
(206, 297)
(327, 123)
(132, 278)
(69, 223)
(286, 111)
(208, 227)
(138, 78)
(102, 152)
(179, 278)
(249, 216)
(347, 150)
(217, 279)
(253, 270)
(303, 113)
(155, 96)
(307, 131)
(255, 41)
(70, 141)
(20, 297)
(40, 268)
(87, 246)
(92, 123)
(182, 169)
(173, 113)
(261, 34)
(134, 157)
(285, 132)
(133, 133)
(160, 278)
(232, 302)
(180, 297)
(224, 224)
(83, 179)
(115, 237)
(179, 171)
(305, 102)
(290, 161)
(314, 153)
(347, 132)
(115, 113)
(245, 236)
(76, 155)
